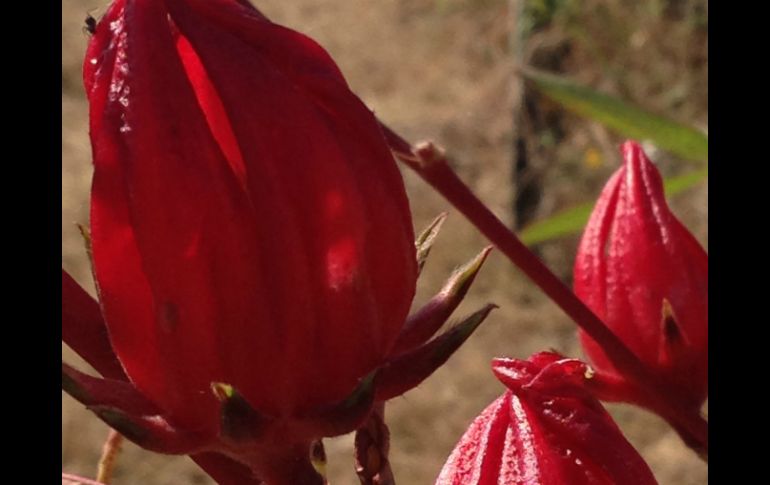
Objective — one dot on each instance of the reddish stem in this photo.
(430, 163)
(372, 446)
(284, 465)
(110, 453)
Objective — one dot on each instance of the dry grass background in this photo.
(440, 69)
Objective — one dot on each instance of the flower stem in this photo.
(372, 445)
(110, 453)
(284, 465)
(431, 164)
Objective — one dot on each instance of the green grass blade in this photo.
(571, 221)
(625, 119)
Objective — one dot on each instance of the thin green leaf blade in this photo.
(676, 185)
(561, 224)
(625, 119)
(572, 221)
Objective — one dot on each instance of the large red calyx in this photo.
(646, 276)
(546, 429)
(249, 225)
(252, 245)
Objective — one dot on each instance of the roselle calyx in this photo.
(546, 429)
(642, 272)
(252, 245)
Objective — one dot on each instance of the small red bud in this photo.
(546, 429)
(646, 276)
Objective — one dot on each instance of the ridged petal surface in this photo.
(544, 430)
(249, 224)
(635, 256)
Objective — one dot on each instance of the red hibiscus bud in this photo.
(646, 276)
(249, 225)
(252, 245)
(546, 429)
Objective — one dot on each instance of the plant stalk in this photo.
(431, 165)
(110, 452)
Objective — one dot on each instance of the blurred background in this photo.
(444, 70)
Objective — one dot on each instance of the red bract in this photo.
(252, 243)
(546, 429)
(646, 276)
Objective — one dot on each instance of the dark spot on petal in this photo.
(168, 317)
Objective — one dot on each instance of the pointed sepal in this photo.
(409, 369)
(425, 240)
(238, 420)
(124, 409)
(83, 329)
(93, 391)
(425, 322)
(673, 342)
(152, 433)
(346, 415)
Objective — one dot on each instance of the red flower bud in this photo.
(646, 276)
(249, 224)
(545, 430)
(252, 245)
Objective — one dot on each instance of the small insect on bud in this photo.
(90, 27)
